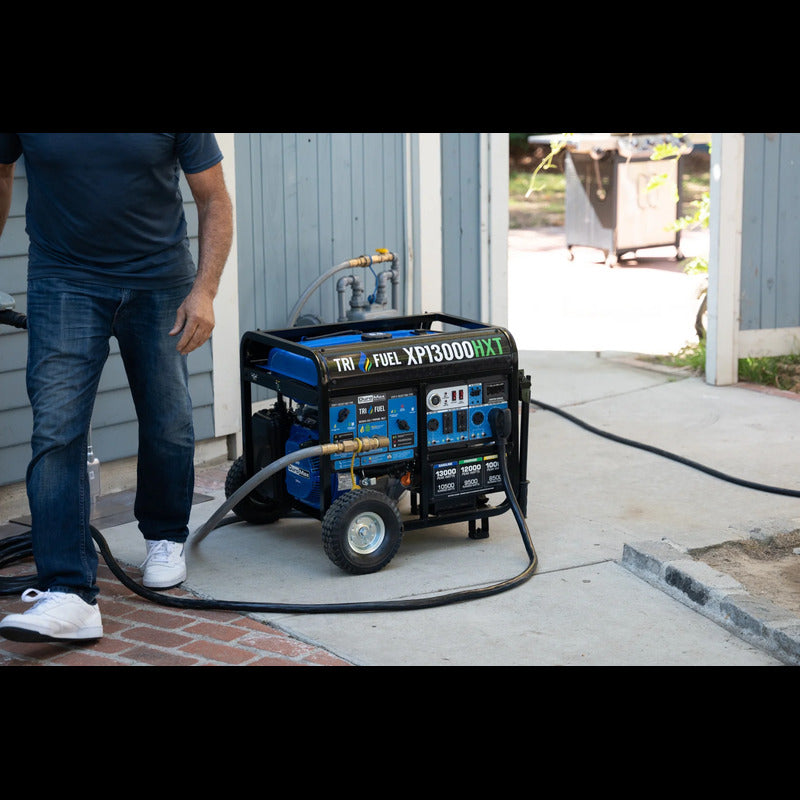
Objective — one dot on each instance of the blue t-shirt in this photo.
(107, 206)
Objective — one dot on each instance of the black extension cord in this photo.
(16, 548)
(500, 426)
(761, 487)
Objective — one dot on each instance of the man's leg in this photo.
(68, 333)
(158, 377)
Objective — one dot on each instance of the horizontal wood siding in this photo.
(114, 427)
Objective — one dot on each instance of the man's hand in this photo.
(6, 187)
(195, 317)
(194, 320)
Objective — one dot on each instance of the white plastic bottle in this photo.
(93, 469)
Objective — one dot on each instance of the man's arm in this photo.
(195, 317)
(6, 185)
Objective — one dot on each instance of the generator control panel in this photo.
(391, 413)
(460, 412)
(450, 415)
(446, 417)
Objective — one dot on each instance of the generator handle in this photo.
(7, 314)
(13, 318)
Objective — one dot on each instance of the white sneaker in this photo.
(56, 617)
(165, 565)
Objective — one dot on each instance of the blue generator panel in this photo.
(459, 412)
(390, 413)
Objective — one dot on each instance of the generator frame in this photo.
(255, 350)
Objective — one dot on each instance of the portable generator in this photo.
(426, 404)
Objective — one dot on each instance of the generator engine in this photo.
(431, 385)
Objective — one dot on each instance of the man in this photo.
(109, 256)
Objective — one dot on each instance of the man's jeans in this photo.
(69, 327)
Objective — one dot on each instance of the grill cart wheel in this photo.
(362, 531)
(254, 508)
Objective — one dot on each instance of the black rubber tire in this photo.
(255, 507)
(362, 510)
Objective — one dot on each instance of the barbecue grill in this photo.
(608, 205)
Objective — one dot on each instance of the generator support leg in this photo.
(483, 532)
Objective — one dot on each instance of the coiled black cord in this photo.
(501, 426)
(15, 548)
(12, 550)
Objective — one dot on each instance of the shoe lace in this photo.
(162, 552)
(35, 596)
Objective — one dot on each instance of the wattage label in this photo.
(463, 476)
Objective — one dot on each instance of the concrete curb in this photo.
(715, 595)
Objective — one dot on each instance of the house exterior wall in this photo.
(475, 226)
(114, 427)
(754, 253)
(770, 282)
(309, 201)
(303, 203)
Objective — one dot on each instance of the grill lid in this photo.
(627, 144)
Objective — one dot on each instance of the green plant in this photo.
(700, 216)
(545, 208)
(691, 356)
(780, 372)
(557, 144)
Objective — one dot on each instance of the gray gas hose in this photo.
(348, 446)
(361, 261)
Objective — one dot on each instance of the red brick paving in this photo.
(138, 632)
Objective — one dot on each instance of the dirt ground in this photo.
(769, 569)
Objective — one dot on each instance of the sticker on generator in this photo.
(463, 476)
(427, 352)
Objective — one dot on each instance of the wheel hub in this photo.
(366, 533)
